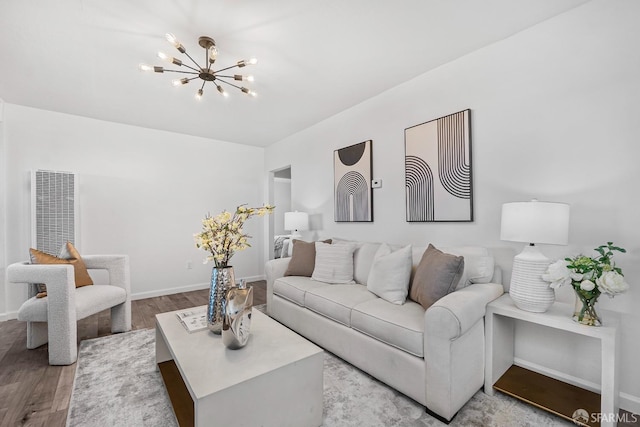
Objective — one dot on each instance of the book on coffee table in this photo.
(193, 319)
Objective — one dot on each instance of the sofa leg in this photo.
(439, 417)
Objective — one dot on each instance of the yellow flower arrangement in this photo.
(222, 235)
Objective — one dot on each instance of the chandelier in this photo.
(204, 73)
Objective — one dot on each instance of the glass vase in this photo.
(222, 279)
(585, 309)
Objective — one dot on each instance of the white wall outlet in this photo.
(376, 183)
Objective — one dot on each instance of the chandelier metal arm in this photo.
(180, 71)
(226, 82)
(225, 69)
(192, 60)
(197, 70)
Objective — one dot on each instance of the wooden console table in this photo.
(547, 393)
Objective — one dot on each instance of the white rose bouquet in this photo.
(590, 277)
(222, 235)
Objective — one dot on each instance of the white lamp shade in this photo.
(535, 222)
(296, 221)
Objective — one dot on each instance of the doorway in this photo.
(281, 198)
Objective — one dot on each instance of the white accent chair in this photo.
(54, 319)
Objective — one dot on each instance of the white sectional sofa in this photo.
(434, 356)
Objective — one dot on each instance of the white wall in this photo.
(143, 193)
(554, 116)
(3, 239)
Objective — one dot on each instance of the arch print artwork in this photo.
(352, 183)
(438, 169)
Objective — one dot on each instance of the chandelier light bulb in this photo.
(253, 61)
(168, 58)
(248, 91)
(180, 82)
(222, 91)
(199, 94)
(242, 78)
(213, 53)
(145, 67)
(172, 39)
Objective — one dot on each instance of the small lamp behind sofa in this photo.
(296, 222)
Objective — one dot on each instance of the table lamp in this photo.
(533, 222)
(296, 222)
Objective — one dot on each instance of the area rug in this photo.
(117, 384)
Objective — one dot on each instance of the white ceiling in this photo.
(316, 58)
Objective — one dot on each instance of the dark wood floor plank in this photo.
(200, 297)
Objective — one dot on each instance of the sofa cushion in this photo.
(437, 275)
(401, 326)
(336, 301)
(334, 263)
(303, 258)
(89, 300)
(294, 288)
(390, 273)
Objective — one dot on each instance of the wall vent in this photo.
(54, 204)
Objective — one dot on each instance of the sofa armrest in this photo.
(454, 314)
(274, 269)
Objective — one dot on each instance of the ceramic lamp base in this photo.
(528, 291)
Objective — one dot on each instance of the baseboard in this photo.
(626, 401)
(168, 291)
(10, 315)
(187, 288)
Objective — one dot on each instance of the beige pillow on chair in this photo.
(68, 255)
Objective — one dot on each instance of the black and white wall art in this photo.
(352, 183)
(438, 169)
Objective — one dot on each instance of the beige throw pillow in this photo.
(334, 263)
(68, 255)
(390, 274)
(437, 275)
(303, 258)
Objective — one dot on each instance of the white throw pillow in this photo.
(334, 262)
(390, 274)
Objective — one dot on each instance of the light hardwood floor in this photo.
(32, 393)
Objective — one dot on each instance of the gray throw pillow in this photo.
(437, 275)
(303, 258)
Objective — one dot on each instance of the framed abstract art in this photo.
(353, 196)
(438, 183)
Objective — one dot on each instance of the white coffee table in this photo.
(276, 380)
